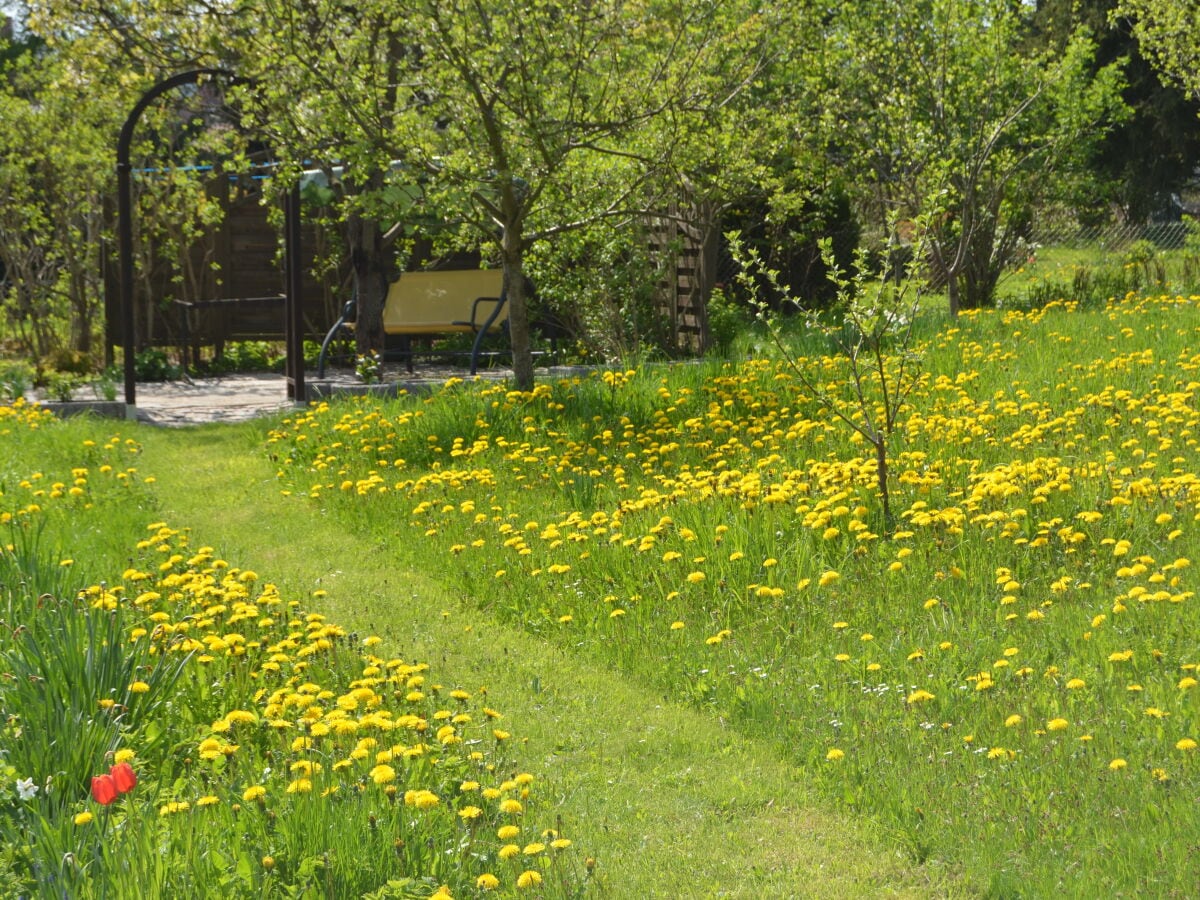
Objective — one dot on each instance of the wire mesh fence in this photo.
(1115, 237)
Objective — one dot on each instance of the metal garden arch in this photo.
(293, 324)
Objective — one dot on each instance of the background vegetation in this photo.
(550, 145)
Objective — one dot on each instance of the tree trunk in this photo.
(370, 271)
(952, 289)
(513, 254)
(947, 272)
(881, 475)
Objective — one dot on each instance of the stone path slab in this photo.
(239, 398)
(242, 397)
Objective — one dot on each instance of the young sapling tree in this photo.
(872, 330)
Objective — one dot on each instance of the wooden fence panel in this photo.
(241, 257)
(688, 239)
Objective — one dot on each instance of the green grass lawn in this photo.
(724, 671)
(657, 797)
(668, 799)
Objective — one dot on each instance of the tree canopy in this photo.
(1166, 30)
(513, 124)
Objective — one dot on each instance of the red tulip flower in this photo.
(104, 789)
(123, 777)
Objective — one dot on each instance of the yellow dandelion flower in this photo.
(507, 832)
(382, 774)
(828, 578)
(422, 799)
(1117, 764)
(83, 818)
(508, 851)
(1185, 745)
(835, 754)
(487, 882)
(529, 878)
(1057, 725)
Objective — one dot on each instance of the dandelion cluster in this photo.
(1024, 627)
(314, 716)
(256, 730)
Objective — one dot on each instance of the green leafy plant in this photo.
(15, 379)
(152, 364)
(105, 384)
(61, 386)
(246, 356)
(368, 367)
(726, 320)
(73, 671)
(1147, 263)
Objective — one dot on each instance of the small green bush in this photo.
(152, 364)
(726, 320)
(16, 378)
(62, 385)
(105, 384)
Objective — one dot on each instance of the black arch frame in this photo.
(293, 307)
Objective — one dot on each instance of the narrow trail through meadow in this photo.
(670, 802)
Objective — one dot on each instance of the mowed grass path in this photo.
(668, 801)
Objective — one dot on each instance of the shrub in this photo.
(15, 379)
(152, 364)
